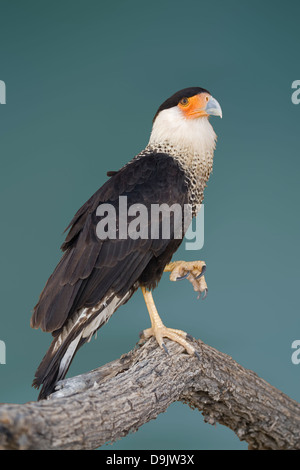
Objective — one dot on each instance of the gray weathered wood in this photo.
(106, 404)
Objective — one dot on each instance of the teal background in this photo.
(84, 79)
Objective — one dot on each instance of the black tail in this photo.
(56, 363)
(68, 339)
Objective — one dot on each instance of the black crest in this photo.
(174, 99)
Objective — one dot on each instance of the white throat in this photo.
(171, 128)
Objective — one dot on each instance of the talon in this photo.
(202, 272)
(165, 348)
(181, 278)
(197, 355)
(205, 294)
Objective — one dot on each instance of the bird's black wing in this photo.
(91, 267)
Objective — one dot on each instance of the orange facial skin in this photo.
(194, 107)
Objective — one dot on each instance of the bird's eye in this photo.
(184, 101)
(206, 98)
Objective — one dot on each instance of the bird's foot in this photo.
(161, 331)
(193, 271)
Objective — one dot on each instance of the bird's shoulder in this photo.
(150, 177)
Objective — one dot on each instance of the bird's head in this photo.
(182, 120)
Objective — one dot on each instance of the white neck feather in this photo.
(171, 128)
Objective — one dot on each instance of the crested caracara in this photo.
(95, 275)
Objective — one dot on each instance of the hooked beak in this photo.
(213, 108)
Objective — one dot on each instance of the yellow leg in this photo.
(192, 271)
(159, 330)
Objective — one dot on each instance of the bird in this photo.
(98, 274)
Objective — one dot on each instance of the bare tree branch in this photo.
(106, 404)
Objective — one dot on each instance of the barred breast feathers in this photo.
(190, 142)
